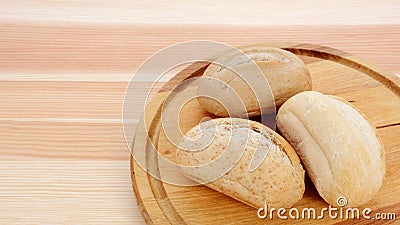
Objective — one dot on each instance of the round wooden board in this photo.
(374, 91)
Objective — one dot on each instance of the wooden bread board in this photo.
(374, 91)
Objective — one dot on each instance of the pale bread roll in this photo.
(279, 179)
(338, 147)
(286, 74)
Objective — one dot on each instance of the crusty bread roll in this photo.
(277, 181)
(336, 144)
(286, 74)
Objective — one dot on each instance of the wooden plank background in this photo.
(65, 65)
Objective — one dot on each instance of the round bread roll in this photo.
(286, 74)
(244, 160)
(338, 147)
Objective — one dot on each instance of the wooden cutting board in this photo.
(374, 91)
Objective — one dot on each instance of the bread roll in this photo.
(337, 146)
(277, 181)
(286, 74)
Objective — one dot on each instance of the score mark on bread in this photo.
(338, 147)
(277, 181)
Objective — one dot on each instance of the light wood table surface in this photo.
(65, 65)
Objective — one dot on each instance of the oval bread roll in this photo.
(286, 74)
(336, 144)
(277, 181)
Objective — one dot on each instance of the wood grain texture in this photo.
(373, 90)
(283, 12)
(65, 65)
(66, 191)
(103, 52)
